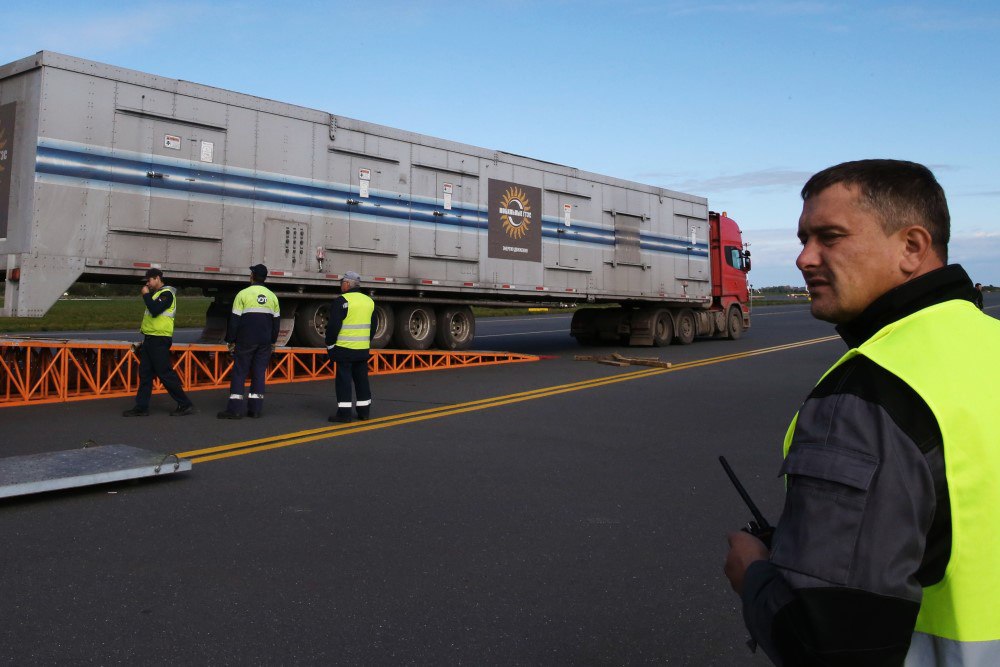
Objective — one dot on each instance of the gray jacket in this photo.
(866, 522)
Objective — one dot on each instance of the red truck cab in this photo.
(730, 264)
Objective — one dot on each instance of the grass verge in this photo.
(98, 314)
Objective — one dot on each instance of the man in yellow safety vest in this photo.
(886, 550)
(348, 339)
(154, 352)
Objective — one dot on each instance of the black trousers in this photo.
(352, 368)
(154, 362)
(249, 360)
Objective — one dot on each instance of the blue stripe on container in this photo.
(215, 181)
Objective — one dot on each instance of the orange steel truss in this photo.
(36, 371)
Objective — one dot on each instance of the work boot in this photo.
(340, 417)
(136, 412)
(183, 411)
(226, 414)
(253, 415)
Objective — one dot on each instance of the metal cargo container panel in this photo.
(110, 170)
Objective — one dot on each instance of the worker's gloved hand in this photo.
(135, 347)
(274, 346)
(232, 347)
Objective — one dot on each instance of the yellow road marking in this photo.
(311, 435)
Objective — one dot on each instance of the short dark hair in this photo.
(898, 192)
(153, 273)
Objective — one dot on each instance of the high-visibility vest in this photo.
(162, 324)
(949, 354)
(256, 299)
(355, 332)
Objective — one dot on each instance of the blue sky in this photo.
(739, 102)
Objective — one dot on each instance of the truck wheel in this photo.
(384, 322)
(734, 324)
(612, 326)
(584, 326)
(663, 329)
(416, 326)
(686, 327)
(310, 323)
(456, 327)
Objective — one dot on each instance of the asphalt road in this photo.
(555, 512)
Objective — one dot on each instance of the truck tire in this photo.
(734, 324)
(416, 326)
(686, 327)
(663, 328)
(612, 326)
(583, 327)
(310, 323)
(383, 325)
(456, 327)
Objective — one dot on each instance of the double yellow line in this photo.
(311, 435)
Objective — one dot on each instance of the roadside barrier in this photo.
(37, 371)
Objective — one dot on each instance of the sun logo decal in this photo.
(515, 212)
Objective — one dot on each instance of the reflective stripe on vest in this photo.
(355, 333)
(930, 651)
(949, 354)
(162, 324)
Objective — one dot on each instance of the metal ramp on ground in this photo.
(53, 471)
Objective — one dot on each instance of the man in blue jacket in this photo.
(252, 335)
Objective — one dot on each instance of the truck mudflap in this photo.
(52, 471)
(217, 321)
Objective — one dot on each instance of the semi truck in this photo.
(106, 172)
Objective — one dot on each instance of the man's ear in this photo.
(917, 250)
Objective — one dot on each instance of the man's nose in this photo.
(807, 257)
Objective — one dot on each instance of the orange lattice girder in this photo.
(38, 371)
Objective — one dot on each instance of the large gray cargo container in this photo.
(105, 172)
